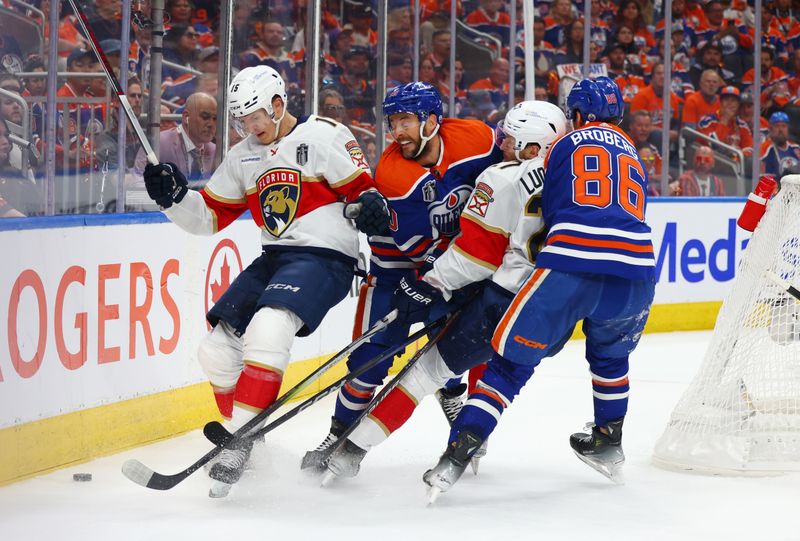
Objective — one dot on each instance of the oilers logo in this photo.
(279, 194)
(444, 214)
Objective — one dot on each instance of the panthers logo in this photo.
(279, 194)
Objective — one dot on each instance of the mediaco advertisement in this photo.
(98, 314)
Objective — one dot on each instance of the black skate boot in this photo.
(228, 468)
(451, 465)
(344, 462)
(316, 460)
(601, 451)
(452, 400)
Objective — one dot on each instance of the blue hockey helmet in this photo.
(597, 100)
(419, 98)
(613, 98)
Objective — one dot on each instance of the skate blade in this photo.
(433, 495)
(475, 464)
(219, 489)
(327, 478)
(610, 471)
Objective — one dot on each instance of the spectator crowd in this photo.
(710, 128)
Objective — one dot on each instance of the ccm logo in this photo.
(293, 289)
(529, 343)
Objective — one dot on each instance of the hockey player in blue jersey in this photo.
(597, 265)
(427, 175)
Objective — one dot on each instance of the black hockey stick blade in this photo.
(783, 284)
(146, 477)
(219, 435)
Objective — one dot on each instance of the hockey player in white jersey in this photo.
(501, 232)
(296, 176)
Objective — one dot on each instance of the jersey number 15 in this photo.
(593, 171)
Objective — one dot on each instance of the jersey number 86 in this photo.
(593, 170)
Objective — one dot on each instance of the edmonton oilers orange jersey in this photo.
(426, 203)
(593, 203)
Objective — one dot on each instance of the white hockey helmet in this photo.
(253, 89)
(538, 122)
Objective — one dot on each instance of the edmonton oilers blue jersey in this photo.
(426, 203)
(593, 202)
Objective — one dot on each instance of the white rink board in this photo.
(697, 246)
(48, 367)
(58, 369)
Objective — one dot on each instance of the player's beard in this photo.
(409, 152)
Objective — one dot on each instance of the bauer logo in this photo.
(224, 266)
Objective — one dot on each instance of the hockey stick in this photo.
(783, 284)
(389, 387)
(144, 476)
(123, 99)
(219, 435)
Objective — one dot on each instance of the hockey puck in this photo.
(82, 477)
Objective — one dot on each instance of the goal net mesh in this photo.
(741, 412)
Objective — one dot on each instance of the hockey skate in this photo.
(475, 462)
(451, 401)
(451, 465)
(316, 460)
(603, 452)
(344, 462)
(228, 469)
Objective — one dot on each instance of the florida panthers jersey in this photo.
(593, 202)
(502, 230)
(294, 188)
(426, 203)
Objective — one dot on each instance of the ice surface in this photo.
(531, 486)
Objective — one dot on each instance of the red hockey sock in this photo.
(474, 375)
(224, 399)
(257, 387)
(395, 409)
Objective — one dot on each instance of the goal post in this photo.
(741, 412)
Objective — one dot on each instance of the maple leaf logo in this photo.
(221, 286)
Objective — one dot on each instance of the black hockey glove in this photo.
(414, 301)
(427, 263)
(370, 213)
(165, 184)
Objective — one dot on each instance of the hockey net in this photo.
(741, 413)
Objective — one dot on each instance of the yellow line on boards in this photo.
(41, 446)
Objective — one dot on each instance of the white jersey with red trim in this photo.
(502, 230)
(295, 188)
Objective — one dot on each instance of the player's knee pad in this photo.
(269, 337)
(429, 374)
(220, 356)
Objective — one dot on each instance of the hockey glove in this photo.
(370, 213)
(165, 184)
(427, 263)
(414, 301)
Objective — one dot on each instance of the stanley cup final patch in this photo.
(302, 154)
(279, 195)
